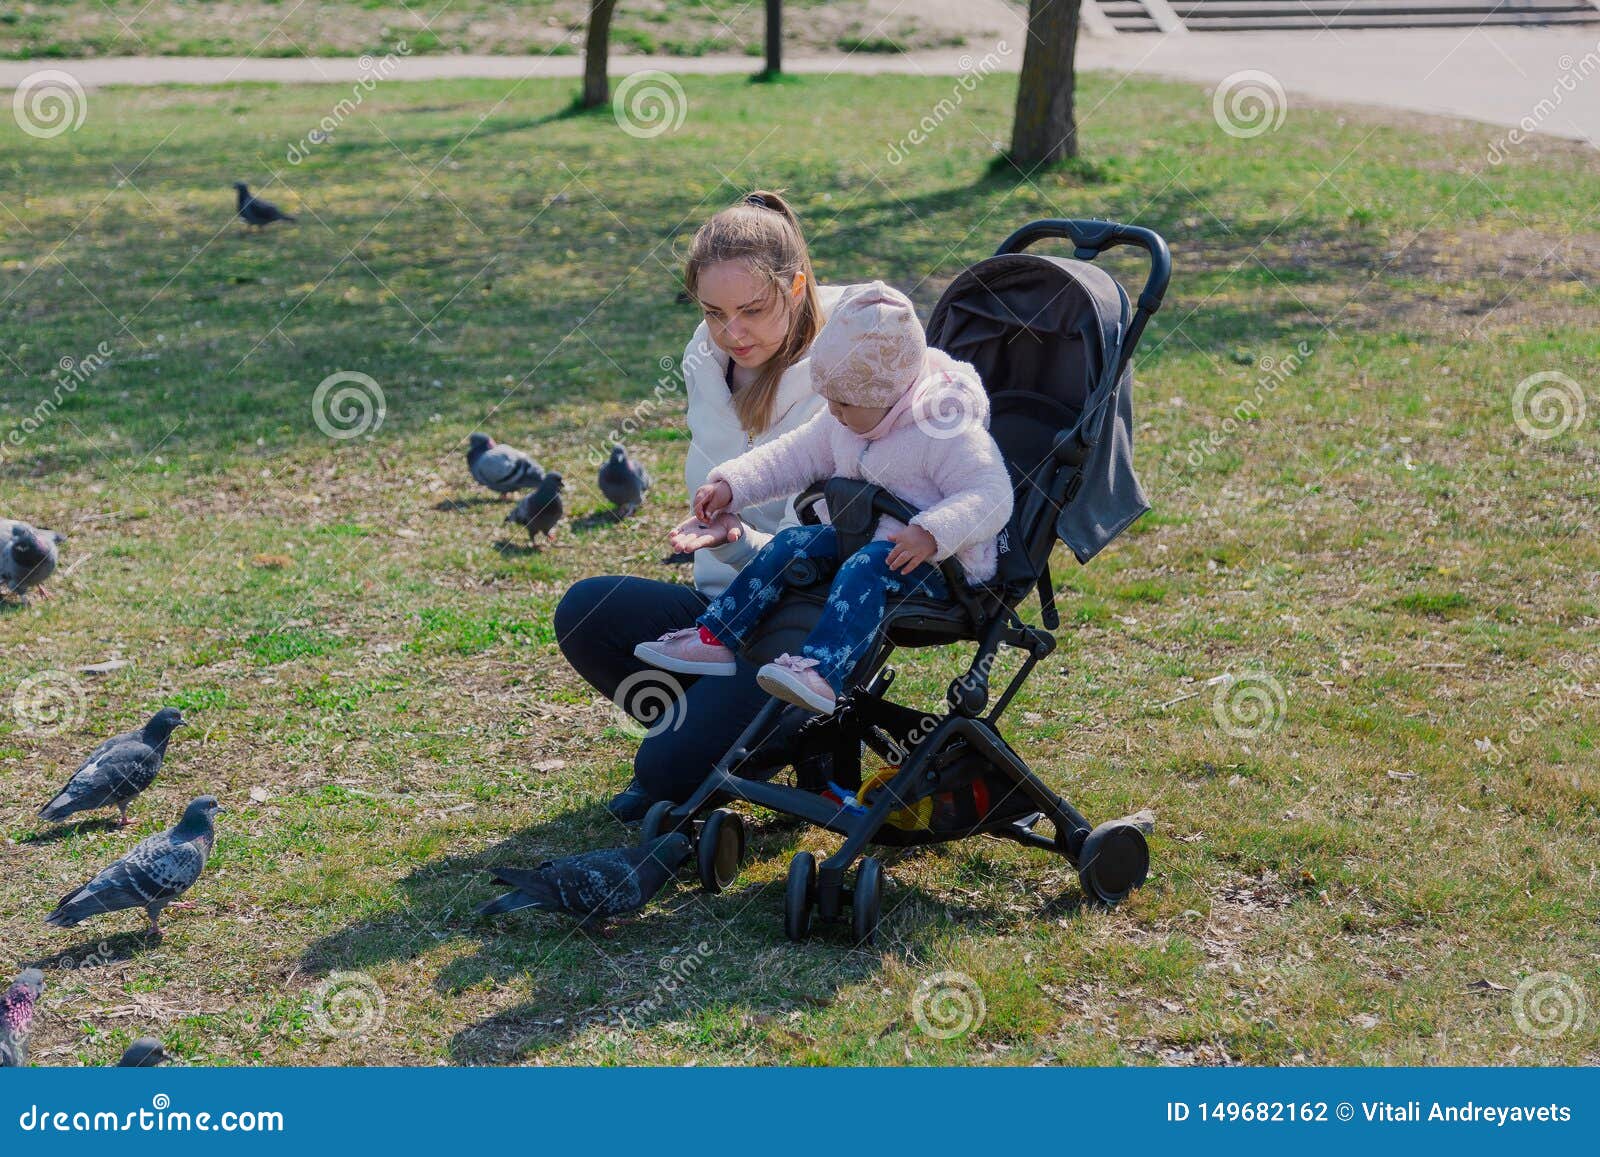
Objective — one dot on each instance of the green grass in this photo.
(1365, 840)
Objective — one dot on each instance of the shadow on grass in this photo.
(61, 831)
(457, 505)
(97, 953)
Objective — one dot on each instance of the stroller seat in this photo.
(1051, 339)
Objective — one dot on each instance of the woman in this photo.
(748, 380)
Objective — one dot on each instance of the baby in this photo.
(908, 418)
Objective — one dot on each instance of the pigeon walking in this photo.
(592, 886)
(116, 771)
(27, 558)
(503, 469)
(152, 876)
(254, 211)
(540, 511)
(16, 1017)
(144, 1053)
(623, 481)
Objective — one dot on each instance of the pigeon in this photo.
(152, 876)
(144, 1053)
(254, 211)
(16, 1017)
(623, 481)
(592, 886)
(540, 511)
(27, 557)
(116, 771)
(501, 468)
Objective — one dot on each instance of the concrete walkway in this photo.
(1547, 78)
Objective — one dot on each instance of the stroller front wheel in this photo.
(1114, 860)
(799, 894)
(721, 849)
(866, 900)
(655, 822)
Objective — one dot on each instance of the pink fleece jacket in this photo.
(937, 456)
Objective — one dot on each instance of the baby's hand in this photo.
(711, 500)
(913, 546)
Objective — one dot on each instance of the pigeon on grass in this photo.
(254, 211)
(592, 886)
(540, 511)
(623, 481)
(28, 557)
(503, 469)
(116, 771)
(144, 1053)
(152, 876)
(16, 1017)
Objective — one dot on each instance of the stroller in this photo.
(1052, 339)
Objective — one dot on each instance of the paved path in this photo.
(1550, 77)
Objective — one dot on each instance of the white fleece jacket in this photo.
(938, 457)
(715, 435)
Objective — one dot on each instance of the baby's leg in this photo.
(734, 614)
(854, 613)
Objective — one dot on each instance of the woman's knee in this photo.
(576, 610)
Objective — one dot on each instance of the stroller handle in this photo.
(1092, 238)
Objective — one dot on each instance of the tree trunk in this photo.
(774, 37)
(596, 51)
(1045, 130)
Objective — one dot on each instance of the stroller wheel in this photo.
(866, 900)
(721, 849)
(1115, 860)
(655, 822)
(799, 895)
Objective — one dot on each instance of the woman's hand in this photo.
(913, 546)
(694, 534)
(711, 500)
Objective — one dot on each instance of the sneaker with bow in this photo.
(688, 652)
(796, 680)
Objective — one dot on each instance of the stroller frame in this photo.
(933, 752)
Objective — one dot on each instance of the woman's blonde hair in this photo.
(761, 231)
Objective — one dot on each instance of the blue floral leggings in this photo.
(856, 600)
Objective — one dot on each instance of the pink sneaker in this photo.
(687, 654)
(796, 680)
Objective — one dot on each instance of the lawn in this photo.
(42, 29)
(1366, 842)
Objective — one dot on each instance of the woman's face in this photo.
(748, 319)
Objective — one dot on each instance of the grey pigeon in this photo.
(593, 885)
(27, 557)
(152, 876)
(540, 511)
(623, 481)
(254, 211)
(144, 1053)
(116, 771)
(503, 469)
(16, 1017)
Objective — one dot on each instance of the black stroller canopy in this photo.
(1046, 335)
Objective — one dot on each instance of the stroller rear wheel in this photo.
(866, 900)
(721, 849)
(1114, 860)
(799, 894)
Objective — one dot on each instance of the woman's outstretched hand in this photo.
(692, 534)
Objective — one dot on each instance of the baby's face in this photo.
(857, 419)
